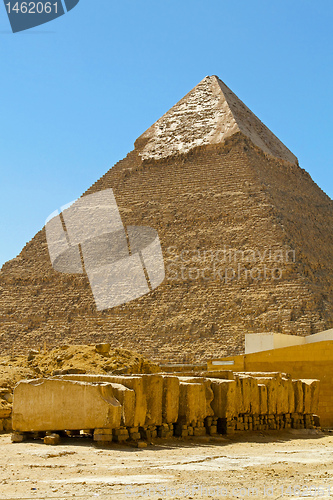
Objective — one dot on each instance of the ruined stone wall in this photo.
(118, 408)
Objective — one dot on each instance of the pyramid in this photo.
(245, 233)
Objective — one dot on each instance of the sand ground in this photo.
(264, 465)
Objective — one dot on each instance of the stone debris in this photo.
(146, 407)
(52, 439)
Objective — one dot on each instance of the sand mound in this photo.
(71, 359)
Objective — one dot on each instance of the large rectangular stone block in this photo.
(310, 395)
(53, 405)
(298, 394)
(192, 402)
(282, 400)
(291, 394)
(244, 401)
(153, 389)
(170, 401)
(134, 382)
(248, 394)
(315, 386)
(272, 384)
(224, 404)
(209, 395)
(263, 399)
(127, 399)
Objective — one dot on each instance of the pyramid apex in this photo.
(208, 114)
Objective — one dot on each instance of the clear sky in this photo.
(77, 92)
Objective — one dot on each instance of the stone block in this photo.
(120, 435)
(127, 399)
(103, 435)
(290, 394)
(199, 431)
(192, 402)
(104, 432)
(103, 348)
(310, 395)
(272, 384)
(134, 382)
(18, 437)
(170, 400)
(209, 395)
(141, 444)
(282, 400)
(244, 394)
(315, 385)
(7, 424)
(298, 395)
(263, 401)
(52, 439)
(225, 402)
(57, 404)
(135, 436)
(153, 390)
(248, 394)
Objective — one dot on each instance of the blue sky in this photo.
(77, 92)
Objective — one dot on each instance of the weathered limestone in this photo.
(272, 392)
(248, 395)
(136, 383)
(133, 382)
(153, 389)
(291, 395)
(192, 402)
(314, 396)
(298, 394)
(263, 399)
(225, 403)
(170, 399)
(103, 348)
(50, 404)
(209, 395)
(127, 399)
(310, 395)
(52, 439)
(282, 401)
(121, 408)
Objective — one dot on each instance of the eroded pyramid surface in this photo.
(208, 177)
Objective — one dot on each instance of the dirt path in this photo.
(256, 465)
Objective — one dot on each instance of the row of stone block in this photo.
(122, 403)
(210, 426)
(264, 394)
(267, 422)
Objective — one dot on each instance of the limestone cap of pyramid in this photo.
(208, 114)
